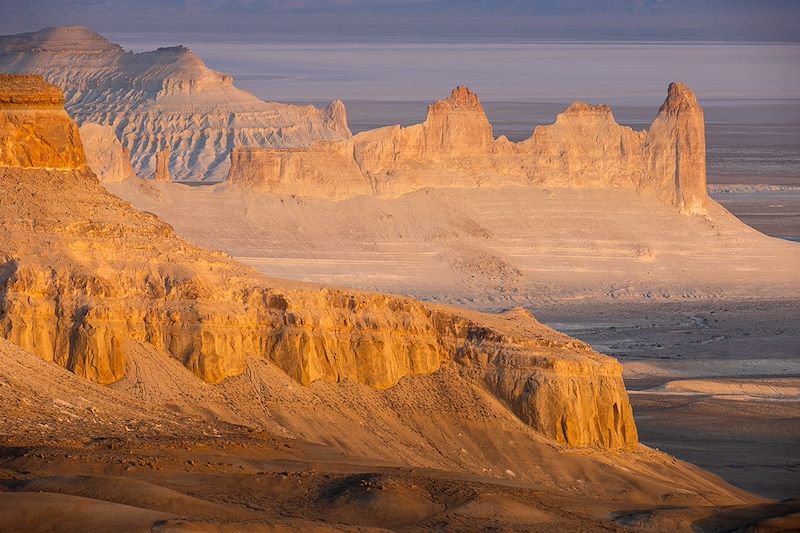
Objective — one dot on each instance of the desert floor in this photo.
(774, 213)
(714, 383)
(739, 416)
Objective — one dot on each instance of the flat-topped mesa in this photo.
(35, 131)
(64, 39)
(168, 96)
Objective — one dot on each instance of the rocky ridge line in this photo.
(455, 147)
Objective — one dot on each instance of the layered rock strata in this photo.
(455, 147)
(82, 274)
(167, 97)
(35, 132)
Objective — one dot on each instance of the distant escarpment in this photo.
(83, 276)
(455, 147)
(165, 99)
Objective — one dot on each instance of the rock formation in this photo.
(165, 97)
(675, 151)
(162, 165)
(83, 275)
(455, 147)
(35, 132)
(106, 156)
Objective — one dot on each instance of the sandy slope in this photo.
(183, 465)
(484, 248)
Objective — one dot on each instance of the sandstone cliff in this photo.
(35, 132)
(165, 97)
(82, 274)
(455, 147)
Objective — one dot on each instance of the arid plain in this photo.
(225, 314)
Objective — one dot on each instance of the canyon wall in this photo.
(167, 98)
(455, 147)
(82, 274)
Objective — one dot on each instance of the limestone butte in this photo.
(83, 275)
(164, 97)
(455, 147)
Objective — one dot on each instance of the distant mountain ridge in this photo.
(164, 99)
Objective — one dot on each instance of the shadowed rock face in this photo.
(164, 98)
(455, 147)
(82, 273)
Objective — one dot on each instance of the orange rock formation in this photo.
(35, 131)
(455, 147)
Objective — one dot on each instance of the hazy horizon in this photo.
(422, 20)
(629, 73)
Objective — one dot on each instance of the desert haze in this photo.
(224, 313)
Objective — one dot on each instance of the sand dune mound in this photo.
(167, 98)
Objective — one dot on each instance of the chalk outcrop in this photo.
(167, 97)
(455, 147)
(162, 165)
(675, 148)
(82, 274)
(105, 155)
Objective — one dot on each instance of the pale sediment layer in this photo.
(487, 249)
